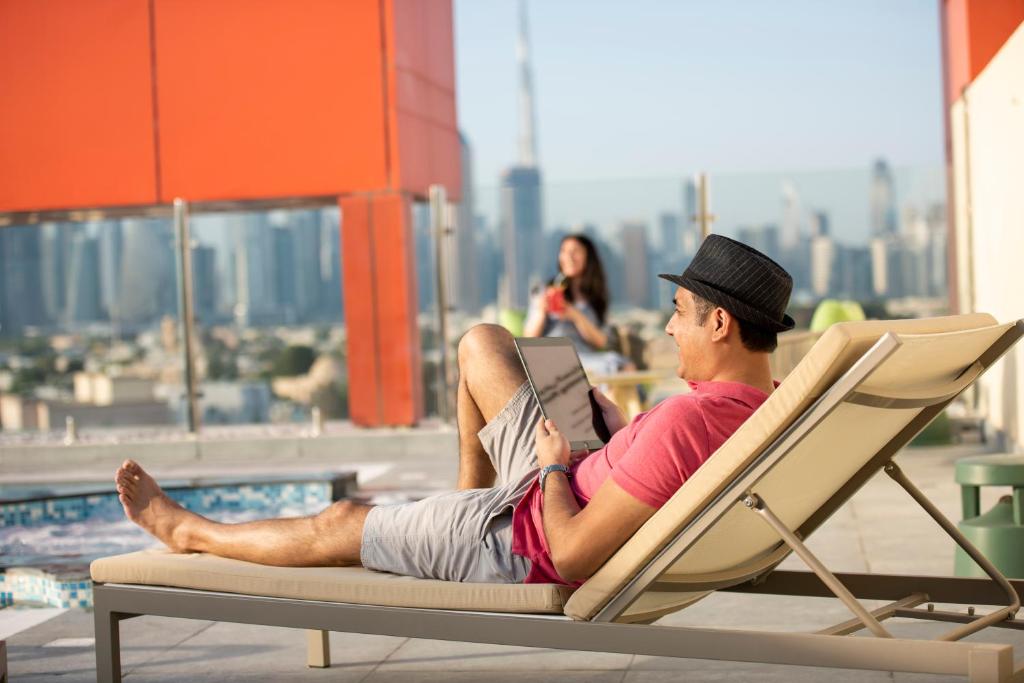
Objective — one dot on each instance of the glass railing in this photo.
(874, 236)
(89, 323)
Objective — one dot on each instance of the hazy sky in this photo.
(656, 89)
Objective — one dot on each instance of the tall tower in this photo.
(466, 293)
(883, 200)
(520, 198)
(527, 134)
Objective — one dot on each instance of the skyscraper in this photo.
(883, 200)
(149, 282)
(55, 251)
(331, 306)
(84, 291)
(255, 287)
(204, 278)
(638, 270)
(111, 246)
(466, 294)
(305, 264)
(283, 272)
(688, 224)
(21, 304)
(520, 196)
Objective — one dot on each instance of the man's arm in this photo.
(581, 540)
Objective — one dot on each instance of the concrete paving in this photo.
(880, 530)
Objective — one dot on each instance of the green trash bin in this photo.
(999, 533)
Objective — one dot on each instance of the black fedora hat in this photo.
(741, 280)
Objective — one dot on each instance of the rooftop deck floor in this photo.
(881, 530)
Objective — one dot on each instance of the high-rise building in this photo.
(671, 235)
(489, 261)
(765, 239)
(149, 280)
(824, 253)
(204, 283)
(426, 266)
(853, 280)
(638, 271)
(937, 232)
(791, 229)
(688, 224)
(55, 247)
(820, 224)
(111, 245)
(21, 300)
(331, 307)
(283, 273)
(520, 196)
(305, 265)
(465, 294)
(255, 285)
(84, 295)
(883, 200)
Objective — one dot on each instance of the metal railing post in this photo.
(183, 242)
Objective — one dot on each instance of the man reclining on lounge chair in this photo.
(507, 523)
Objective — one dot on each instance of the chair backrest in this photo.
(862, 392)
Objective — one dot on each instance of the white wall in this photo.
(988, 160)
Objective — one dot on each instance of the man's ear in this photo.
(721, 323)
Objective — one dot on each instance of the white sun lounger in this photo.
(857, 398)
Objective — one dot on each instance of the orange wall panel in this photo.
(421, 93)
(365, 400)
(395, 292)
(262, 99)
(384, 359)
(991, 22)
(973, 31)
(76, 115)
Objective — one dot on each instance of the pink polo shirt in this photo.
(649, 458)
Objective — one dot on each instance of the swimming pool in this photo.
(48, 536)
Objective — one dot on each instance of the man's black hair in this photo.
(754, 338)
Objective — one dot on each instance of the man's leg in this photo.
(332, 537)
(489, 375)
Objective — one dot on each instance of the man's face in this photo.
(693, 340)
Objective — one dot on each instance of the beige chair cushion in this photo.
(331, 584)
(837, 350)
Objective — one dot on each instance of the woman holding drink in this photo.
(574, 305)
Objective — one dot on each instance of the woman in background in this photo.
(574, 305)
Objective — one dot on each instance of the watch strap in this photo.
(548, 469)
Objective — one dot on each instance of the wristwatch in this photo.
(548, 469)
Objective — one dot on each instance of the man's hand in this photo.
(552, 446)
(614, 419)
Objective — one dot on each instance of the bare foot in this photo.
(146, 504)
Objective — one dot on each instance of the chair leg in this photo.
(3, 661)
(318, 649)
(108, 646)
(990, 667)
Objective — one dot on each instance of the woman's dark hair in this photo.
(591, 281)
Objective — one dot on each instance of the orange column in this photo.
(384, 364)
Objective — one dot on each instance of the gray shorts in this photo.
(463, 535)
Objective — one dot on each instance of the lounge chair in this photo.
(857, 398)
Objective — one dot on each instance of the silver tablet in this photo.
(558, 381)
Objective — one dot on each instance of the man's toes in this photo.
(131, 467)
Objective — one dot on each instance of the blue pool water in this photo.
(47, 541)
